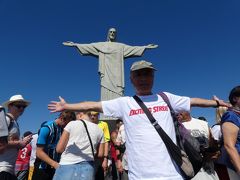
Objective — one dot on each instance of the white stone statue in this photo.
(111, 56)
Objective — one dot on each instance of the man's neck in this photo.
(144, 94)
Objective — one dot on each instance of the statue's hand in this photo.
(68, 43)
(151, 46)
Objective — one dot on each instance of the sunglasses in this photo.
(19, 106)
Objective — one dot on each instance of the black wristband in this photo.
(105, 157)
(218, 104)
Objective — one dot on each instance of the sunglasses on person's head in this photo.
(19, 106)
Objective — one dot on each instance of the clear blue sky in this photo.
(198, 54)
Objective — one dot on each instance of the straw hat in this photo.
(16, 98)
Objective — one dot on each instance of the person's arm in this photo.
(62, 143)
(100, 150)
(207, 103)
(105, 157)
(69, 43)
(44, 157)
(151, 46)
(119, 160)
(19, 144)
(114, 137)
(57, 106)
(230, 134)
(106, 146)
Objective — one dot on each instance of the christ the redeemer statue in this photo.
(111, 56)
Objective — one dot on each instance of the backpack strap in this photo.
(10, 125)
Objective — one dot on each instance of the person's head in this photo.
(82, 115)
(16, 105)
(234, 96)
(142, 76)
(94, 116)
(27, 133)
(65, 117)
(119, 122)
(184, 116)
(112, 35)
(219, 112)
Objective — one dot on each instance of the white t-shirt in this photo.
(199, 129)
(216, 132)
(121, 138)
(148, 158)
(33, 152)
(9, 157)
(78, 148)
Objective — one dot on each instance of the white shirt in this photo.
(148, 158)
(33, 152)
(78, 148)
(216, 132)
(121, 138)
(199, 129)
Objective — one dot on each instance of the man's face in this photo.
(17, 108)
(64, 122)
(142, 80)
(94, 117)
(112, 34)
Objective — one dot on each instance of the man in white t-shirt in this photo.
(148, 158)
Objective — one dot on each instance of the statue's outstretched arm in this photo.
(151, 46)
(69, 43)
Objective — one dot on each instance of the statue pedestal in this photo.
(106, 118)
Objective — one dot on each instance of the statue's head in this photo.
(112, 35)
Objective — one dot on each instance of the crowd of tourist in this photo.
(79, 145)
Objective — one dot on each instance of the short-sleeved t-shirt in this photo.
(22, 162)
(148, 158)
(104, 126)
(78, 148)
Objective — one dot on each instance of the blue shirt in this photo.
(232, 117)
(48, 138)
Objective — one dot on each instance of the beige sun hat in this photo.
(16, 98)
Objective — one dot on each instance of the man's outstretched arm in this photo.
(57, 106)
(151, 46)
(69, 43)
